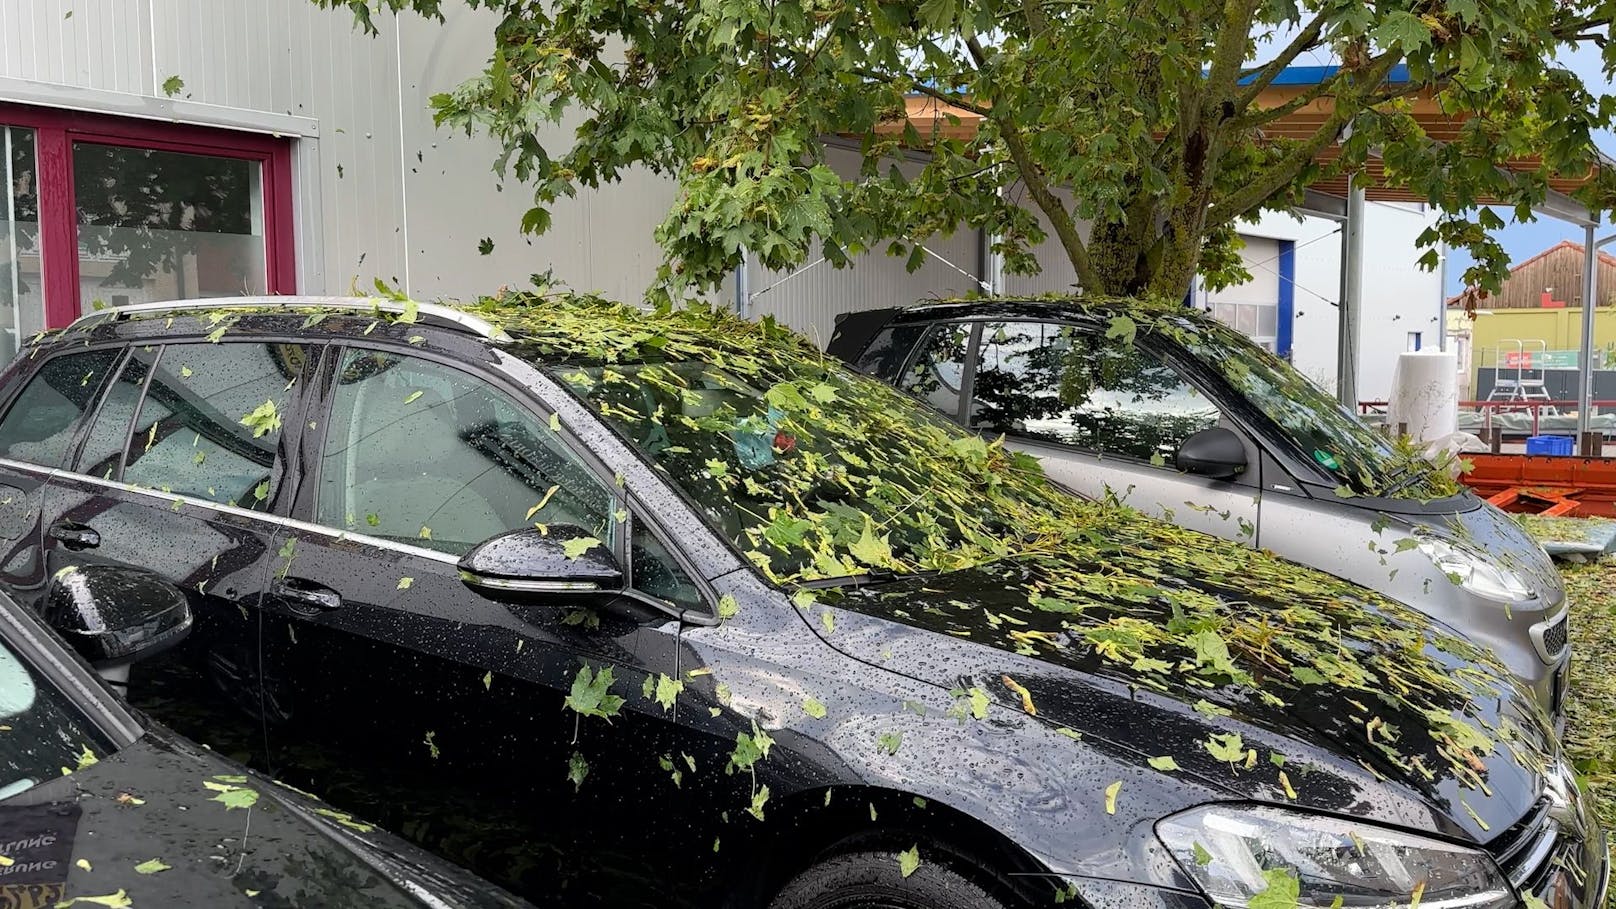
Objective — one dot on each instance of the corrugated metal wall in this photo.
(381, 192)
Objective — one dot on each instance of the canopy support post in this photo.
(1351, 306)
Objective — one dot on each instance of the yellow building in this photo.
(1537, 317)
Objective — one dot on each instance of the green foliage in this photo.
(732, 99)
(591, 695)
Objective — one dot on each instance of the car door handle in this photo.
(307, 593)
(75, 536)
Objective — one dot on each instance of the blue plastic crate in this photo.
(1550, 445)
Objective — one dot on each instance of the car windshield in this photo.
(1315, 422)
(810, 469)
(43, 734)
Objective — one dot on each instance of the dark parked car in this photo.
(100, 807)
(669, 609)
(1192, 422)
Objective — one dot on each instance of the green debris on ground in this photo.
(1591, 706)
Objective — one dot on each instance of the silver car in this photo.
(1186, 419)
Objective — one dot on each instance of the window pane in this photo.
(157, 225)
(939, 368)
(655, 571)
(109, 434)
(1073, 386)
(22, 297)
(211, 421)
(40, 425)
(425, 454)
(887, 350)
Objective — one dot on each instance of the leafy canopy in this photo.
(1141, 132)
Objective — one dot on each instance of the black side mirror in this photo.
(1216, 453)
(114, 615)
(566, 559)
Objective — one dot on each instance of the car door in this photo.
(401, 692)
(179, 473)
(1106, 417)
(55, 400)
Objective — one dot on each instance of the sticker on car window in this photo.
(1326, 459)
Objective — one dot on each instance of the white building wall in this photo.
(367, 207)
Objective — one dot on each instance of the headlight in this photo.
(1227, 849)
(1476, 572)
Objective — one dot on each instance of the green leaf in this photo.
(890, 742)
(813, 707)
(173, 85)
(1282, 892)
(577, 770)
(1202, 857)
(485, 246)
(728, 607)
(232, 796)
(151, 866)
(1122, 328)
(1402, 28)
(263, 420)
(877, 553)
(1164, 763)
(909, 860)
(488, 680)
(1111, 797)
(577, 546)
(1227, 747)
(405, 583)
(828, 620)
(413, 396)
(717, 468)
(667, 691)
(591, 696)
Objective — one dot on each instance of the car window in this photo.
(1074, 386)
(654, 570)
(887, 351)
(42, 734)
(102, 454)
(210, 422)
(40, 425)
(938, 370)
(426, 454)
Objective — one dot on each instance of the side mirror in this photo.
(566, 559)
(114, 615)
(1216, 453)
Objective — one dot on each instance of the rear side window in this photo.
(938, 372)
(210, 423)
(39, 427)
(102, 455)
(887, 351)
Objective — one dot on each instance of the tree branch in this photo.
(1266, 184)
(918, 88)
(1037, 187)
(1306, 39)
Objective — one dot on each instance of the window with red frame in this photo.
(112, 211)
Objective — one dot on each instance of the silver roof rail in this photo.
(448, 316)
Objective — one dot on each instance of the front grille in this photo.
(1554, 636)
(1525, 848)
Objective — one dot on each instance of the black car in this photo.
(664, 609)
(99, 807)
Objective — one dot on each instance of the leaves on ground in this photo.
(152, 866)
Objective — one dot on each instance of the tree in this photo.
(1135, 126)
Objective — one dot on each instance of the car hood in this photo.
(1172, 654)
(88, 833)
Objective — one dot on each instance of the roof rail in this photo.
(429, 313)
